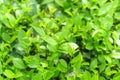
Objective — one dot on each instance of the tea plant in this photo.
(59, 39)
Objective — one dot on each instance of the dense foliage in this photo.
(59, 39)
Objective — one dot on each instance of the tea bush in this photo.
(59, 39)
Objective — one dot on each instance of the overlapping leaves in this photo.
(59, 40)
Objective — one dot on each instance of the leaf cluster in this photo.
(59, 39)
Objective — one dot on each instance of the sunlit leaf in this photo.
(105, 8)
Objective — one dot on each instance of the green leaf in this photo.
(1, 70)
(116, 36)
(109, 72)
(107, 22)
(52, 48)
(60, 3)
(95, 77)
(35, 62)
(18, 63)
(93, 64)
(49, 40)
(52, 8)
(98, 31)
(101, 78)
(102, 2)
(23, 40)
(101, 58)
(70, 78)
(77, 19)
(11, 18)
(24, 43)
(116, 76)
(6, 37)
(28, 33)
(102, 67)
(1, 29)
(48, 75)
(39, 30)
(47, 2)
(1, 77)
(108, 58)
(51, 25)
(62, 65)
(105, 8)
(115, 54)
(7, 23)
(89, 46)
(37, 76)
(117, 15)
(18, 74)
(9, 73)
(21, 35)
(76, 59)
(69, 48)
(86, 76)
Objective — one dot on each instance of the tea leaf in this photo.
(105, 8)
(18, 63)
